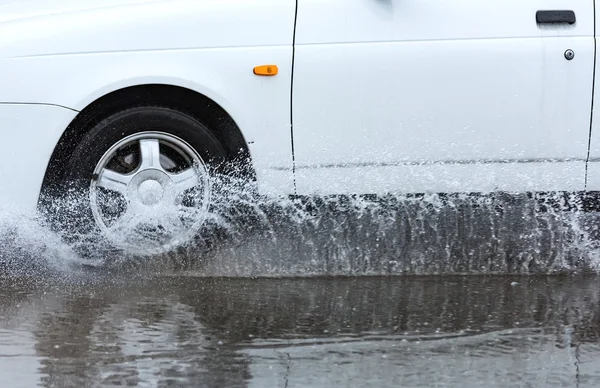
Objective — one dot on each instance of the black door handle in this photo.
(545, 17)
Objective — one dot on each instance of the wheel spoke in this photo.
(124, 223)
(150, 154)
(114, 181)
(185, 180)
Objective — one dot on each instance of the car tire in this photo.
(179, 138)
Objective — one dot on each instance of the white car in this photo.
(142, 98)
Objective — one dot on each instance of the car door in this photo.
(435, 95)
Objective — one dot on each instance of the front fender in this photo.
(259, 105)
(74, 57)
(29, 133)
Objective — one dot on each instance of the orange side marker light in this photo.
(266, 70)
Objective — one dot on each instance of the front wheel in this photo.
(143, 179)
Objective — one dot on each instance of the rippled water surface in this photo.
(318, 332)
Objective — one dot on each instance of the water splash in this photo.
(494, 234)
(28, 247)
(249, 235)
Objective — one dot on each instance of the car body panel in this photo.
(30, 133)
(593, 165)
(477, 177)
(183, 43)
(56, 27)
(259, 105)
(436, 96)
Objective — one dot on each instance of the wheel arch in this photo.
(192, 102)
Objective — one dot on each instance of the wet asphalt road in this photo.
(322, 332)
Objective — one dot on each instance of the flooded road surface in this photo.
(320, 332)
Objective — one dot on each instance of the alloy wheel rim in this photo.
(150, 193)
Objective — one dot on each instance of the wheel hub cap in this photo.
(150, 192)
(149, 187)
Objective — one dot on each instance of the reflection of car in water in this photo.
(139, 103)
(242, 332)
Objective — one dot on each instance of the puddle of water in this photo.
(390, 332)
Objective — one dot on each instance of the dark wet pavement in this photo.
(449, 331)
